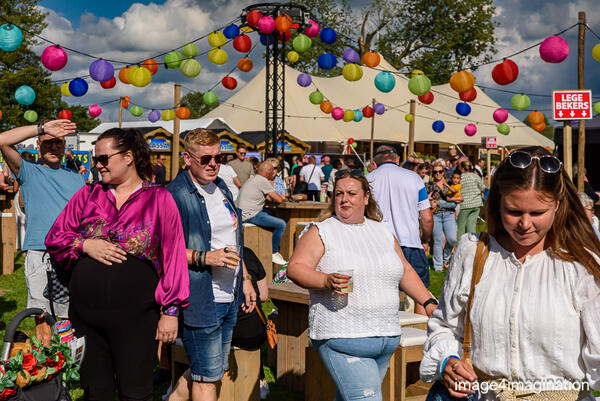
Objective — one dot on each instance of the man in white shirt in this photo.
(312, 175)
(228, 174)
(402, 199)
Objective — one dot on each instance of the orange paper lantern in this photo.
(125, 102)
(326, 107)
(183, 113)
(124, 75)
(283, 23)
(371, 59)
(151, 65)
(539, 127)
(535, 117)
(245, 64)
(462, 81)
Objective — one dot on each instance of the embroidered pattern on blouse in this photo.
(77, 242)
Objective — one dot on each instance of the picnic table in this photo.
(8, 232)
(294, 213)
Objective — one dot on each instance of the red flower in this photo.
(7, 393)
(29, 361)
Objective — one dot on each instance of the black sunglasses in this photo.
(54, 141)
(242, 153)
(205, 159)
(352, 173)
(548, 164)
(103, 159)
(438, 171)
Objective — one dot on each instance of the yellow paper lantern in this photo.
(596, 52)
(217, 39)
(416, 72)
(409, 118)
(168, 115)
(218, 56)
(348, 115)
(293, 56)
(247, 29)
(352, 72)
(139, 76)
(64, 89)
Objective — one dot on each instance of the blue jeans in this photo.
(265, 220)
(444, 224)
(418, 260)
(208, 347)
(357, 366)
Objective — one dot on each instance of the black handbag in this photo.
(51, 390)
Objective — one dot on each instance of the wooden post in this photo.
(411, 129)
(580, 76)
(175, 141)
(120, 111)
(488, 163)
(567, 148)
(404, 148)
(372, 131)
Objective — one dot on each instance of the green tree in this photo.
(80, 116)
(194, 102)
(548, 132)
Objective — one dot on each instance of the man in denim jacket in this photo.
(219, 282)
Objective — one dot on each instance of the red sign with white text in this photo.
(572, 105)
(489, 142)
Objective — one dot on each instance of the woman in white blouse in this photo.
(536, 309)
(356, 332)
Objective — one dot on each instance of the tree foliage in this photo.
(194, 102)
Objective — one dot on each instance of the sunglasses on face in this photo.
(103, 159)
(242, 153)
(205, 159)
(352, 173)
(54, 142)
(438, 171)
(548, 164)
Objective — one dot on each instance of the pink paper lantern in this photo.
(554, 49)
(312, 30)
(94, 110)
(470, 129)
(54, 57)
(500, 115)
(266, 25)
(337, 113)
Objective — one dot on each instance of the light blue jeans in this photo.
(444, 224)
(265, 220)
(357, 366)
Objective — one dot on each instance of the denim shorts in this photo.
(208, 348)
(418, 260)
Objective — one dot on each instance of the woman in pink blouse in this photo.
(123, 242)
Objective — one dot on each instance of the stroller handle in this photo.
(9, 335)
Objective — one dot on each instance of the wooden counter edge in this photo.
(289, 292)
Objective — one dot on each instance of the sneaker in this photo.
(278, 259)
(264, 389)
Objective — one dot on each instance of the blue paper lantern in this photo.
(385, 81)
(101, 70)
(25, 95)
(231, 31)
(328, 36)
(438, 126)
(327, 61)
(304, 80)
(358, 115)
(463, 109)
(78, 87)
(11, 38)
(266, 39)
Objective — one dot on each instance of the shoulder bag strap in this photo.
(311, 173)
(480, 258)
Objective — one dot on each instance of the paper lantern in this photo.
(140, 76)
(154, 116)
(283, 37)
(470, 129)
(500, 115)
(151, 65)
(245, 64)
(136, 110)
(229, 83)
(596, 52)
(316, 97)
(351, 55)
(246, 29)
(385, 81)
(409, 118)
(190, 50)
(64, 90)
(326, 107)
(253, 17)
(231, 31)
(554, 49)
(283, 23)
(352, 72)
(327, 61)
(438, 126)
(217, 39)
(190, 67)
(426, 98)
(266, 24)
(350, 141)
(242, 43)
(337, 113)
(25, 95)
(328, 36)
(183, 113)
(173, 60)
(312, 30)
(109, 84)
(292, 56)
(503, 128)
(266, 39)
(463, 109)
(218, 56)
(596, 107)
(371, 59)
(11, 38)
(462, 81)
(539, 127)
(210, 98)
(348, 116)
(65, 114)
(379, 108)
(125, 102)
(414, 73)
(520, 102)
(78, 87)
(168, 115)
(469, 95)
(368, 111)
(304, 80)
(30, 116)
(505, 73)
(354, 145)
(94, 110)
(535, 117)
(358, 115)
(301, 43)
(124, 75)
(419, 85)
(54, 57)
(101, 70)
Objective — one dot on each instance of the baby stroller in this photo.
(48, 390)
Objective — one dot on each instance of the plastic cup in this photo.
(231, 248)
(350, 286)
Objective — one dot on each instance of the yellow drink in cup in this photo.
(232, 249)
(349, 274)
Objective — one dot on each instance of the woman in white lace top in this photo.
(536, 309)
(356, 332)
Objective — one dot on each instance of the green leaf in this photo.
(51, 371)
(35, 342)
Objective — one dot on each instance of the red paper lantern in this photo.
(505, 73)
(242, 43)
(253, 17)
(109, 84)
(426, 98)
(151, 65)
(65, 114)
(350, 141)
(245, 64)
(368, 112)
(229, 83)
(468, 96)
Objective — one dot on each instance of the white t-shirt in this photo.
(315, 180)
(227, 174)
(223, 224)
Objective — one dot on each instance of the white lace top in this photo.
(532, 321)
(372, 308)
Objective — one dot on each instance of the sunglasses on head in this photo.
(205, 159)
(548, 164)
(352, 173)
(103, 159)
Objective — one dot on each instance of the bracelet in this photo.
(430, 301)
(195, 257)
(40, 129)
(443, 367)
(247, 277)
(170, 310)
(203, 258)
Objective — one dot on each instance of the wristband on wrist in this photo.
(430, 301)
(445, 362)
(40, 129)
(247, 277)
(171, 310)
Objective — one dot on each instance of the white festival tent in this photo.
(244, 111)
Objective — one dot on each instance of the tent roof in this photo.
(216, 124)
(244, 111)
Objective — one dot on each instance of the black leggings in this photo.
(114, 308)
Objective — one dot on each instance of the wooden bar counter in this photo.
(294, 213)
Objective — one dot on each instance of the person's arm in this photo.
(426, 224)
(263, 289)
(275, 197)
(237, 182)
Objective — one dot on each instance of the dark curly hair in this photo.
(133, 140)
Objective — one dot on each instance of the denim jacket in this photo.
(196, 230)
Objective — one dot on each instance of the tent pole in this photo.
(568, 148)
(404, 148)
(580, 76)
(372, 130)
(175, 143)
(411, 129)
(460, 150)
(120, 111)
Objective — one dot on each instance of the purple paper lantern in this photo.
(154, 116)
(337, 113)
(500, 115)
(312, 30)
(379, 108)
(266, 24)
(470, 129)
(554, 49)
(94, 110)
(54, 57)
(351, 56)
(304, 80)
(101, 70)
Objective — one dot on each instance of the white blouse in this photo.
(532, 321)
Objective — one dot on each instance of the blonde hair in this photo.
(274, 161)
(200, 137)
(371, 210)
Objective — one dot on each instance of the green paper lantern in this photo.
(316, 97)
(504, 129)
(190, 68)
(409, 118)
(168, 115)
(218, 56)
(173, 59)
(348, 115)
(301, 43)
(30, 116)
(293, 56)
(190, 50)
(520, 102)
(354, 145)
(210, 98)
(136, 111)
(217, 39)
(597, 107)
(352, 72)
(419, 85)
